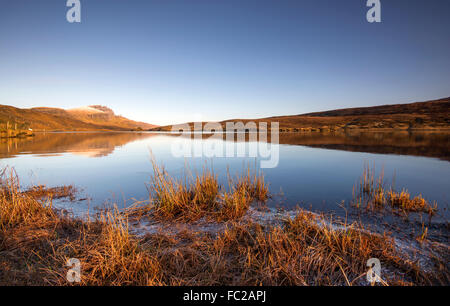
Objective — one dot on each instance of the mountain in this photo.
(429, 115)
(94, 117)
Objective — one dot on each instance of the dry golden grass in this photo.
(109, 255)
(306, 250)
(35, 243)
(177, 199)
(17, 207)
(404, 202)
(41, 191)
(192, 198)
(372, 194)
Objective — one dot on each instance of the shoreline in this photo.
(299, 131)
(147, 245)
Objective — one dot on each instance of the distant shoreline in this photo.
(419, 116)
(287, 131)
(429, 115)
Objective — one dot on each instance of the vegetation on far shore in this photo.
(429, 115)
(36, 241)
(14, 131)
(92, 118)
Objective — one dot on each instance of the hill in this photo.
(93, 117)
(429, 115)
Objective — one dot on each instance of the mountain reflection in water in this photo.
(98, 144)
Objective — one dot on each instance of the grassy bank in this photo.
(36, 241)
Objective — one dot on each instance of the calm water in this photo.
(316, 171)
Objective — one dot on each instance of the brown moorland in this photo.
(429, 115)
(90, 118)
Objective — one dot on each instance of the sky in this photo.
(172, 61)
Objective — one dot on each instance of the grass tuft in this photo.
(17, 207)
(190, 199)
(373, 195)
(41, 191)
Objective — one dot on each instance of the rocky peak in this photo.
(102, 108)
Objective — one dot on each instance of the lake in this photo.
(315, 170)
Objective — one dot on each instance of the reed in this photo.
(18, 207)
(253, 184)
(308, 249)
(235, 203)
(403, 201)
(197, 196)
(110, 255)
(41, 191)
(373, 194)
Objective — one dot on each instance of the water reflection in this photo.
(416, 143)
(90, 144)
(98, 144)
(116, 166)
(429, 144)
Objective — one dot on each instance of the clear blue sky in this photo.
(168, 61)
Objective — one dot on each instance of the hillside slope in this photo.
(97, 114)
(430, 115)
(428, 107)
(427, 115)
(46, 118)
